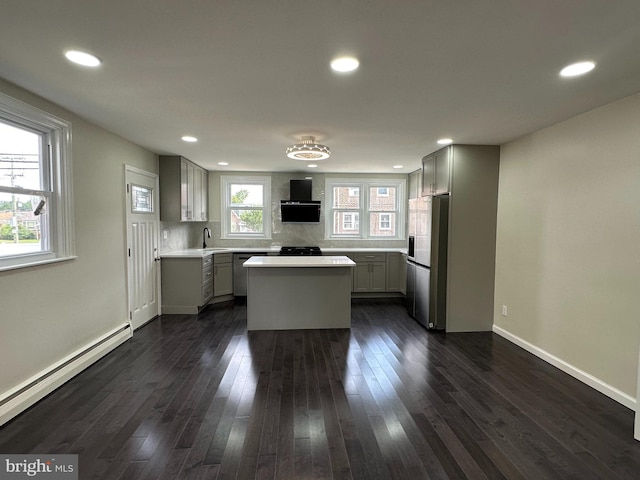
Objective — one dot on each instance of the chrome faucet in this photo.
(204, 241)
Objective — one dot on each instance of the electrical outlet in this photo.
(504, 310)
(164, 234)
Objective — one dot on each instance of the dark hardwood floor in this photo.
(197, 397)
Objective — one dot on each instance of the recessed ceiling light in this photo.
(189, 138)
(445, 141)
(398, 166)
(223, 164)
(344, 64)
(576, 69)
(82, 58)
(312, 165)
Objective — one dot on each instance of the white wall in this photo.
(568, 243)
(49, 311)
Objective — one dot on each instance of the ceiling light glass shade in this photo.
(189, 138)
(576, 69)
(445, 141)
(308, 149)
(82, 58)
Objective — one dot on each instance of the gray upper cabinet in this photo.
(436, 172)
(428, 174)
(200, 195)
(415, 184)
(442, 164)
(183, 190)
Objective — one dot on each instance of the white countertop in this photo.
(195, 252)
(300, 261)
(200, 252)
(326, 250)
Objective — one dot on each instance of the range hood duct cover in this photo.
(300, 190)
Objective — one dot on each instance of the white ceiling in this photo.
(249, 77)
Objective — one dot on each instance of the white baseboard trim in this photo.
(604, 388)
(21, 397)
(636, 428)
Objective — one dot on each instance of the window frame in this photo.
(364, 212)
(225, 205)
(57, 182)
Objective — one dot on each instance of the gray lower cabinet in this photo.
(187, 284)
(222, 274)
(378, 272)
(396, 272)
(369, 274)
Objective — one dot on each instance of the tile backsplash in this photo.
(189, 234)
(181, 236)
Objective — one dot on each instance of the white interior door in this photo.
(142, 245)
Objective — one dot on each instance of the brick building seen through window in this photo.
(380, 205)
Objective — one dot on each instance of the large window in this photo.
(246, 206)
(36, 217)
(370, 209)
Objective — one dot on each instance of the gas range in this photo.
(296, 251)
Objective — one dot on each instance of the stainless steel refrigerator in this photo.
(427, 260)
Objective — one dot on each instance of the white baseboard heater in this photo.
(21, 397)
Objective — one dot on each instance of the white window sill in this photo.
(36, 263)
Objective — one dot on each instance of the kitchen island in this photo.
(288, 293)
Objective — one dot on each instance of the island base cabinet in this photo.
(298, 298)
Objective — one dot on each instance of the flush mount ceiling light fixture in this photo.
(308, 149)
